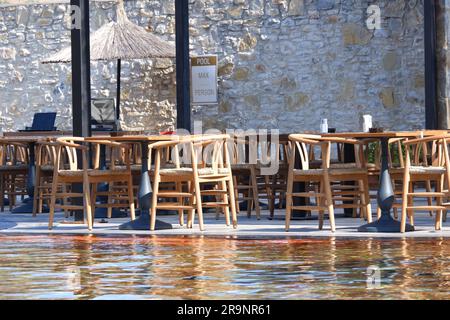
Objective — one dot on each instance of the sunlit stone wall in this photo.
(283, 64)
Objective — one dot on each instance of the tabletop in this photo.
(386, 134)
(135, 138)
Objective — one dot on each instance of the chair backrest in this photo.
(46, 153)
(251, 148)
(13, 153)
(67, 153)
(300, 154)
(426, 152)
(210, 151)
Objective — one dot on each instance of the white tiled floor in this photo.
(346, 227)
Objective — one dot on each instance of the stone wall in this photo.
(283, 64)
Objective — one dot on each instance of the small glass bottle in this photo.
(324, 126)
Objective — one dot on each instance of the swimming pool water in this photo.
(94, 267)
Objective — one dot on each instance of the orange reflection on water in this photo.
(155, 267)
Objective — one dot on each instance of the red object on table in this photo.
(167, 132)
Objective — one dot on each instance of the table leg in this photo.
(144, 195)
(102, 213)
(385, 198)
(349, 157)
(27, 206)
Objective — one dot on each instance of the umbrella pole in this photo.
(119, 66)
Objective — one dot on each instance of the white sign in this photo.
(204, 80)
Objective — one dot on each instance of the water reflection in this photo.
(90, 267)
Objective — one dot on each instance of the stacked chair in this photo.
(13, 172)
(319, 181)
(187, 165)
(67, 171)
(426, 161)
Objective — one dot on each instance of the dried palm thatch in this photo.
(120, 39)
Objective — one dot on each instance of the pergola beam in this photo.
(431, 109)
(81, 71)
(182, 64)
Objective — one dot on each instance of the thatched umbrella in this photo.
(119, 40)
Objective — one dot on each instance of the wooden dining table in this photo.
(145, 188)
(385, 197)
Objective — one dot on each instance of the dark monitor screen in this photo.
(103, 111)
(44, 121)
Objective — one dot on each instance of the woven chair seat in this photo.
(47, 167)
(134, 167)
(14, 167)
(92, 172)
(188, 171)
(332, 171)
(420, 169)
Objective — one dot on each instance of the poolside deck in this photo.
(251, 228)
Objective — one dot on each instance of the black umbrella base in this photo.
(164, 212)
(143, 223)
(102, 213)
(385, 224)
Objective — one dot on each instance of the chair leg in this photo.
(405, 199)
(180, 202)
(329, 200)
(198, 199)
(154, 202)
(110, 200)
(226, 209)
(255, 192)
(232, 203)
(2, 193)
(411, 201)
(64, 190)
(236, 194)
(438, 221)
(366, 200)
(131, 197)
(321, 202)
(88, 203)
(290, 187)
(52, 203)
(430, 200)
(37, 195)
(190, 219)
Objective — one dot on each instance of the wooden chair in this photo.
(273, 186)
(352, 196)
(300, 148)
(435, 168)
(45, 159)
(209, 164)
(244, 168)
(13, 172)
(72, 174)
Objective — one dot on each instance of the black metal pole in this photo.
(81, 83)
(119, 67)
(431, 111)
(182, 62)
